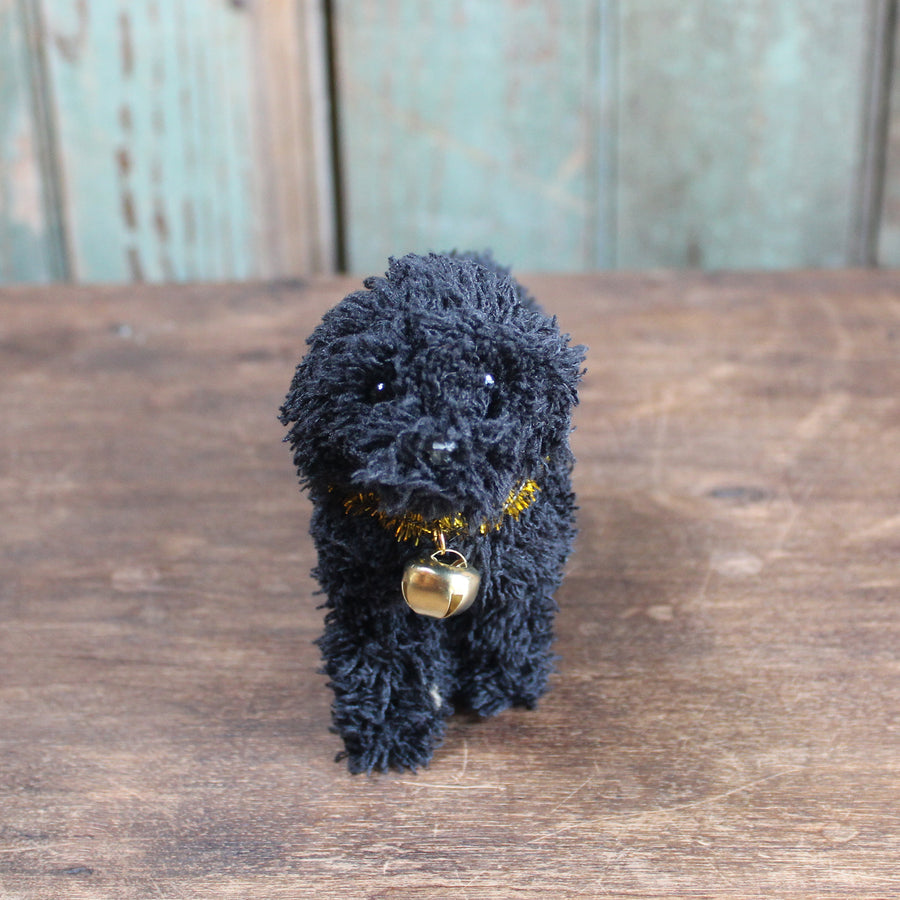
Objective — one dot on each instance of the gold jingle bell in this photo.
(433, 587)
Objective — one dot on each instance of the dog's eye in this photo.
(380, 390)
(492, 397)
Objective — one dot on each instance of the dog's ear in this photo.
(344, 330)
(554, 365)
(569, 365)
(289, 411)
(554, 369)
(293, 413)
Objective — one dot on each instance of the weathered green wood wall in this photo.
(591, 132)
(160, 139)
(159, 135)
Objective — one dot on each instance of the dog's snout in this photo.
(441, 452)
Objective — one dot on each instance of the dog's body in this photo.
(437, 392)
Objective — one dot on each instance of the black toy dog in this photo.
(432, 411)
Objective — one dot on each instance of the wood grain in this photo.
(724, 719)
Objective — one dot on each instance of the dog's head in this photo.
(440, 388)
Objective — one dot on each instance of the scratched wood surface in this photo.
(724, 718)
(587, 134)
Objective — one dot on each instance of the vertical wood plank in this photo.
(153, 184)
(740, 131)
(29, 249)
(295, 210)
(874, 133)
(473, 125)
(889, 232)
(187, 138)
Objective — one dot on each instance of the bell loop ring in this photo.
(440, 540)
(459, 563)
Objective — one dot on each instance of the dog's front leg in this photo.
(389, 668)
(504, 642)
(389, 673)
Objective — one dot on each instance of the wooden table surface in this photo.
(725, 720)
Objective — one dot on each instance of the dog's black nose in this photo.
(441, 452)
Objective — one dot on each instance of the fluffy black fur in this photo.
(391, 371)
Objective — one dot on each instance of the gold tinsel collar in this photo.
(413, 527)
